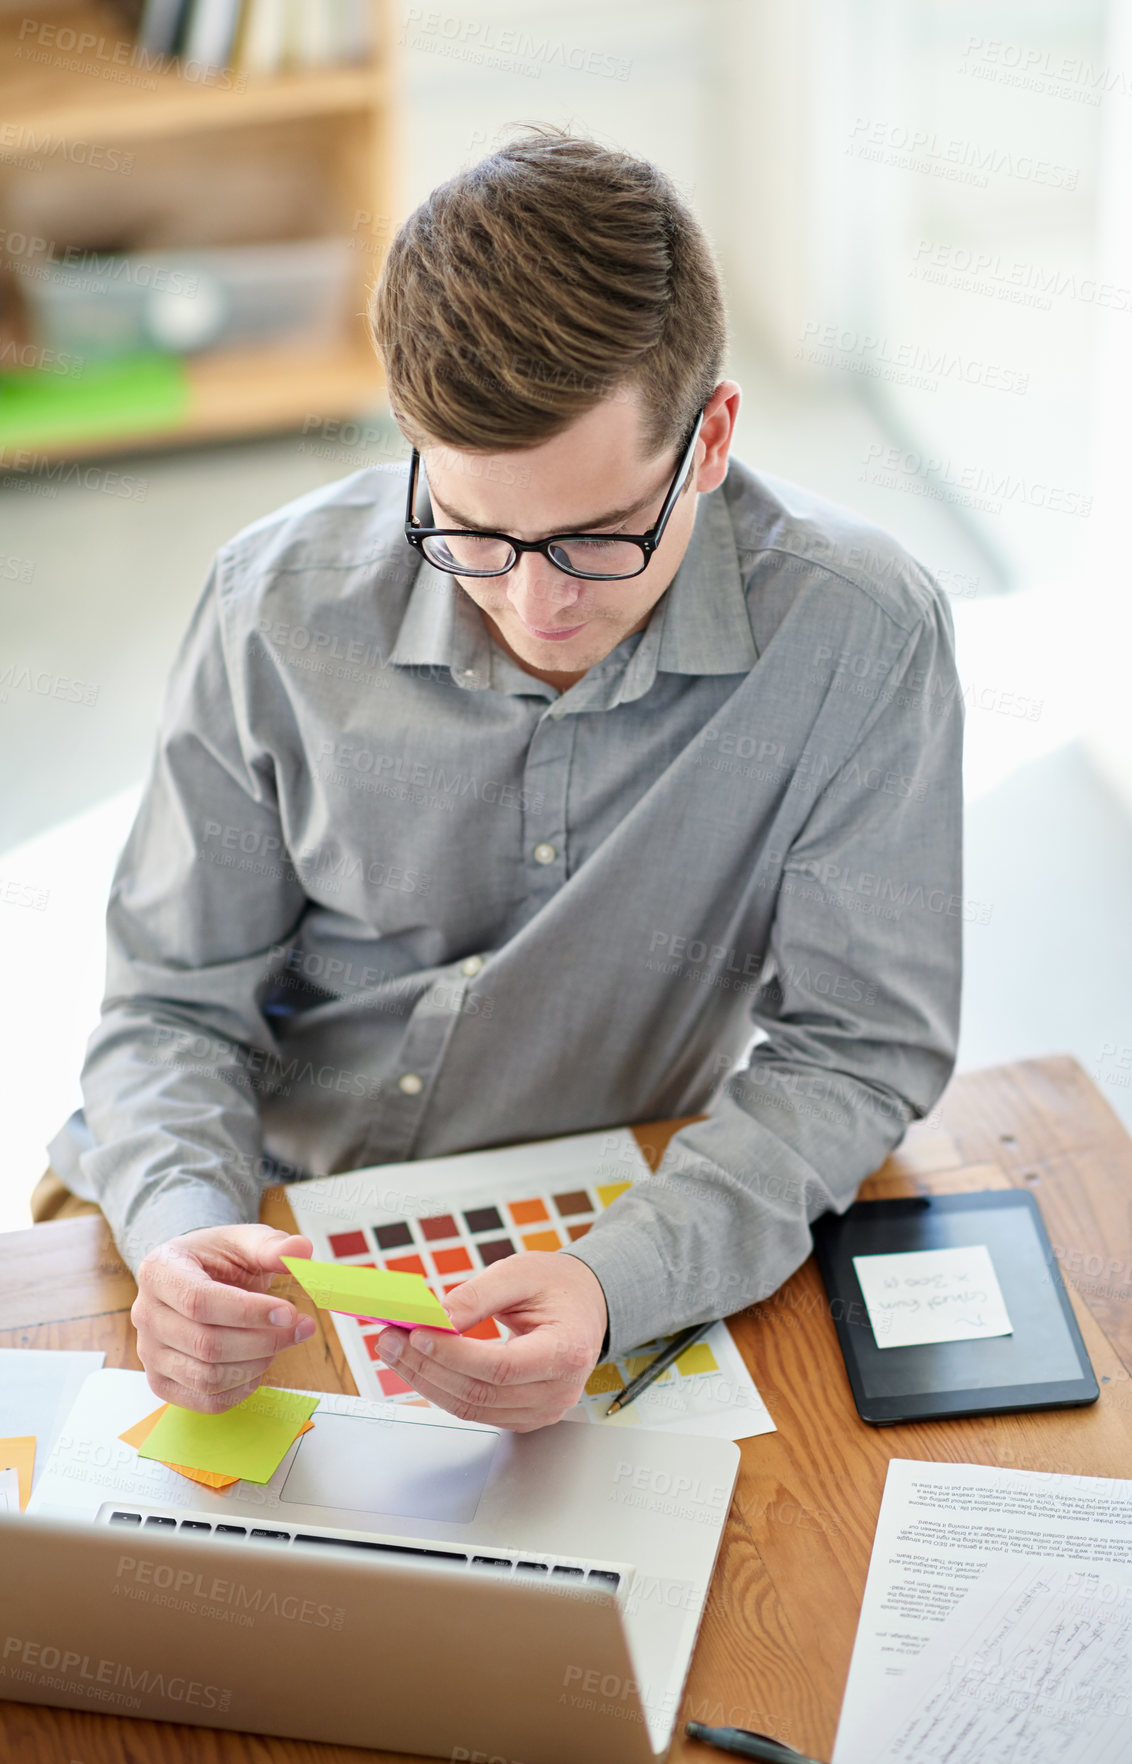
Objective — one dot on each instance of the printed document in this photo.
(941, 1527)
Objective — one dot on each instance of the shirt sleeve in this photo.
(202, 891)
(857, 1010)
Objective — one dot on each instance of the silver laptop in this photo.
(406, 1581)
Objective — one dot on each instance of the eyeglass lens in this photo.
(475, 554)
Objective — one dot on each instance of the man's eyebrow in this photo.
(587, 526)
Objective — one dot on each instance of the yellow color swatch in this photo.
(697, 1358)
(604, 1379)
(607, 1192)
(641, 1362)
(542, 1240)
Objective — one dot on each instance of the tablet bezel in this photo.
(828, 1234)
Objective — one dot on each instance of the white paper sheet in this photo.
(916, 1296)
(1034, 1663)
(9, 1491)
(709, 1392)
(37, 1388)
(940, 1527)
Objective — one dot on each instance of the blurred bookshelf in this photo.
(187, 240)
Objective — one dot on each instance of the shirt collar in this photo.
(443, 627)
(700, 624)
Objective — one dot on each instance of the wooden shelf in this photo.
(90, 97)
(251, 392)
(183, 131)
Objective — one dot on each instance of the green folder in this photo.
(249, 1441)
(404, 1299)
(128, 394)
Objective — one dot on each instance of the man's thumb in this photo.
(274, 1244)
(466, 1306)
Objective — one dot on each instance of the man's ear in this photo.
(716, 435)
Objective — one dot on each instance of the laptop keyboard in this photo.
(596, 1574)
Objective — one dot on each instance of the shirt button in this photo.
(545, 854)
(472, 966)
(411, 1084)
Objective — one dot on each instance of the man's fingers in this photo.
(270, 1254)
(467, 1305)
(540, 1357)
(209, 1380)
(215, 1343)
(513, 1281)
(523, 1420)
(463, 1387)
(169, 1391)
(177, 1280)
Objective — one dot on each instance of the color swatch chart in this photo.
(455, 1216)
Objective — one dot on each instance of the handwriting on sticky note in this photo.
(249, 1441)
(919, 1296)
(404, 1299)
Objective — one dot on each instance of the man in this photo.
(525, 809)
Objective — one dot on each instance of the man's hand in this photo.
(554, 1304)
(207, 1327)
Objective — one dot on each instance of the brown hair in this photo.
(553, 274)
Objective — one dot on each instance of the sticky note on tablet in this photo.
(249, 1441)
(403, 1299)
(920, 1296)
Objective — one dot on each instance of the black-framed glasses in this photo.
(595, 556)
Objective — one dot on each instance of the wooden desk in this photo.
(778, 1631)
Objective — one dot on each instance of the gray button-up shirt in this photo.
(389, 897)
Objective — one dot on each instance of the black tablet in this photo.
(1040, 1364)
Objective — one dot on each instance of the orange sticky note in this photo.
(141, 1430)
(19, 1455)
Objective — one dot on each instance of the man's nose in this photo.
(536, 584)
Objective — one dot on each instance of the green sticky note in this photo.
(405, 1299)
(123, 396)
(249, 1441)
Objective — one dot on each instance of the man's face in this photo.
(593, 477)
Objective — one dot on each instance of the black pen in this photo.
(744, 1744)
(661, 1364)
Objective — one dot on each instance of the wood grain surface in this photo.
(778, 1631)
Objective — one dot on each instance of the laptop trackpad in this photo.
(394, 1468)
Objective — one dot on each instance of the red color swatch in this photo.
(349, 1243)
(433, 1230)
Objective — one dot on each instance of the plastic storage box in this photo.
(297, 292)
